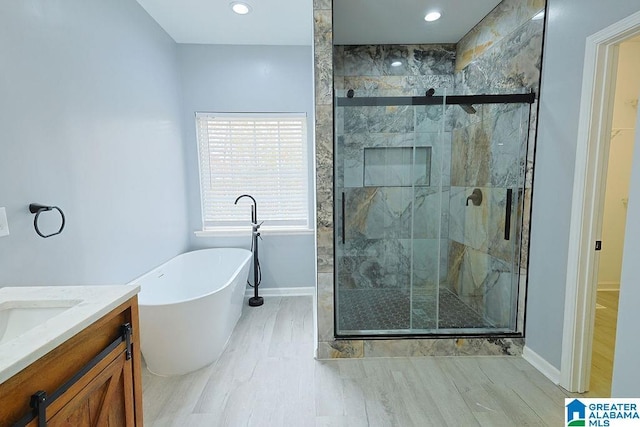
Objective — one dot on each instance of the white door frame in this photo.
(594, 136)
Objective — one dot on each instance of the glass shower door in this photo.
(387, 177)
(487, 180)
(429, 212)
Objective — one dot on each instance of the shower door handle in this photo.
(343, 220)
(507, 215)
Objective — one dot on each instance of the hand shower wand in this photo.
(256, 300)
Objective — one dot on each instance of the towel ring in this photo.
(36, 208)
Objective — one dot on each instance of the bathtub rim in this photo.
(135, 282)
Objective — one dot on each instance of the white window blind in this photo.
(264, 155)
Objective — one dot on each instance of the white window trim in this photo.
(246, 231)
(266, 229)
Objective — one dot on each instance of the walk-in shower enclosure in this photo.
(429, 200)
(424, 181)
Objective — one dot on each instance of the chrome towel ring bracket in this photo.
(36, 208)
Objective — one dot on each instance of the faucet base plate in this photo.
(256, 301)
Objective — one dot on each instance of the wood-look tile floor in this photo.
(267, 376)
(604, 342)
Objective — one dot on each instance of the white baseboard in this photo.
(608, 286)
(546, 368)
(283, 292)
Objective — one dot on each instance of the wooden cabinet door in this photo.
(102, 397)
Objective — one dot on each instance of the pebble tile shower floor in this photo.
(389, 309)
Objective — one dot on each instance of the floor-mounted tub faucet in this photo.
(256, 300)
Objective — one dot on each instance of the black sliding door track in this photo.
(382, 101)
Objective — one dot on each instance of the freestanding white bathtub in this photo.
(189, 307)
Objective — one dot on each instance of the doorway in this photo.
(599, 128)
(614, 215)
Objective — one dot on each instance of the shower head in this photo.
(430, 92)
(468, 108)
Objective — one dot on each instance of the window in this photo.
(264, 155)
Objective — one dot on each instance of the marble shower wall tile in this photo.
(508, 146)
(342, 349)
(324, 165)
(497, 245)
(429, 217)
(378, 213)
(397, 166)
(425, 265)
(435, 118)
(325, 306)
(469, 224)
(340, 174)
(323, 56)
(491, 151)
(499, 300)
(324, 237)
(444, 261)
(395, 85)
(338, 64)
(350, 148)
(353, 145)
(531, 143)
(365, 60)
(483, 282)
(526, 227)
(390, 119)
(510, 66)
(471, 156)
(522, 300)
(395, 212)
(483, 227)
(417, 60)
(368, 71)
(322, 4)
(375, 264)
(457, 253)
(505, 19)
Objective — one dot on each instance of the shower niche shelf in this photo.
(397, 166)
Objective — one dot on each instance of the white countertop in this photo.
(89, 303)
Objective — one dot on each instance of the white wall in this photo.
(89, 121)
(225, 78)
(619, 170)
(570, 22)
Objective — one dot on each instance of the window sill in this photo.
(246, 231)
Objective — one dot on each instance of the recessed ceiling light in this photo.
(432, 16)
(396, 63)
(240, 8)
(540, 15)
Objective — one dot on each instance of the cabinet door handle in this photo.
(507, 215)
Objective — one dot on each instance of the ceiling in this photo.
(290, 22)
(402, 21)
(271, 22)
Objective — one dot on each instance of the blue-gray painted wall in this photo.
(570, 22)
(90, 120)
(223, 78)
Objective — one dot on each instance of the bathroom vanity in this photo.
(70, 356)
